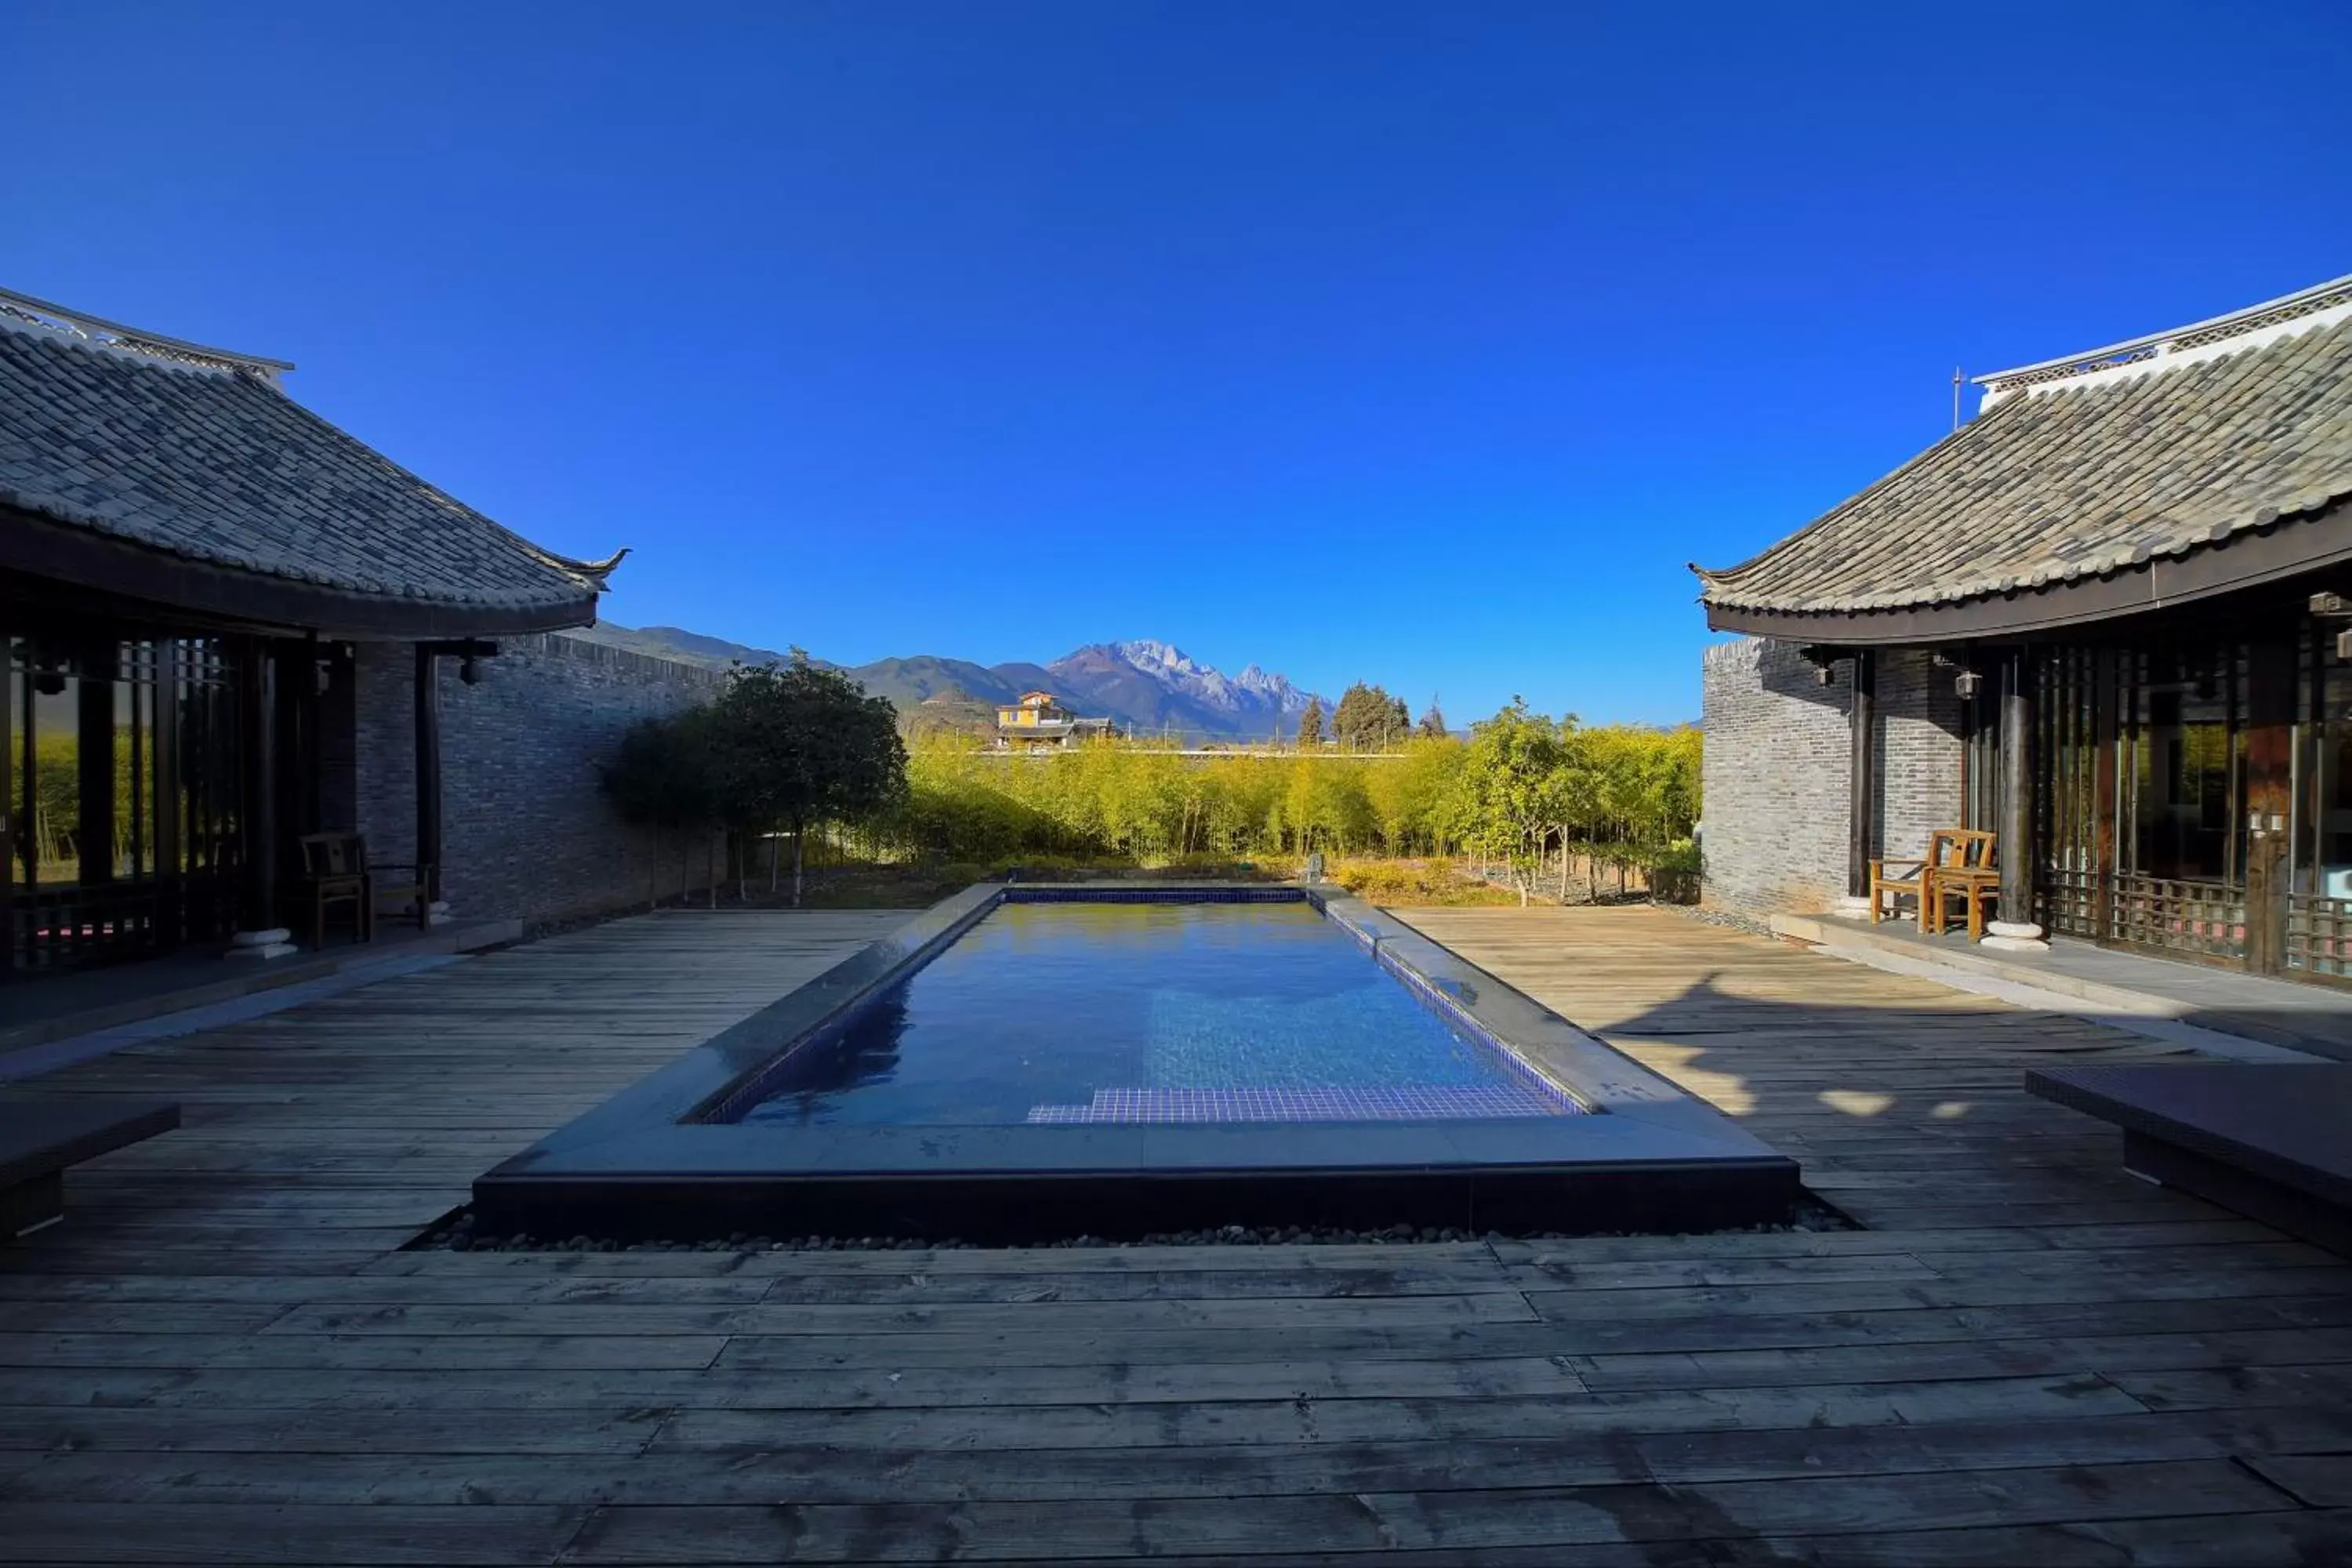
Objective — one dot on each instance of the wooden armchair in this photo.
(334, 872)
(410, 893)
(1969, 875)
(1959, 863)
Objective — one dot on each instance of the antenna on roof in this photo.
(1957, 380)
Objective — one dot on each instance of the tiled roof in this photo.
(2085, 467)
(199, 454)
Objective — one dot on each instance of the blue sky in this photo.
(1416, 343)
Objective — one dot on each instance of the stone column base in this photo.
(2015, 936)
(437, 912)
(1852, 907)
(273, 943)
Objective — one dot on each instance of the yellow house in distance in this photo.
(1037, 720)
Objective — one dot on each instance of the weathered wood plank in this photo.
(224, 1357)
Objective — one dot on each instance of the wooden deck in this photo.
(2027, 1357)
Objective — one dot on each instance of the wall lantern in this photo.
(470, 670)
(1824, 675)
(1968, 683)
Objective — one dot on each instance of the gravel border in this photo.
(1724, 918)
(455, 1233)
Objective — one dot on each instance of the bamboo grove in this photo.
(1521, 786)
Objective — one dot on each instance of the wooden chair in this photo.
(410, 893)
(1957, 861)
(1967, 875)
(334, 872)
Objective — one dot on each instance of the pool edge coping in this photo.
(644, 1132)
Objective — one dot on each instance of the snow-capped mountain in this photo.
(1155, 686)
(1147, 684)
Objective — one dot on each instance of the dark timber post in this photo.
(94, 831)
(1861, 775)
(2016, 789)
(258, 934)
(428, 770)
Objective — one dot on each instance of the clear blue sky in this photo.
(1419, 343)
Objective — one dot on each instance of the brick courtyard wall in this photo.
(1774, 778)
(1919, 750)
(525, 831)
(1779, 754)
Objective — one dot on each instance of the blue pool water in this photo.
(1148, 1012)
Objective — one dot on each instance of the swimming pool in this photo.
(1064, 1013)
(1018, 1064)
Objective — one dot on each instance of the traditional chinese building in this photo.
(195, 571)
(1037, 720)
(2106, 618)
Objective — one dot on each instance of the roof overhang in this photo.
(41, 548)
(2249, 560)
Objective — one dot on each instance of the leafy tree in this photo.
(1369, 720)
(1432, 723)
(1363, 718)
(795, 744)
(1310, 724)
(1506, 794)
(660, 776)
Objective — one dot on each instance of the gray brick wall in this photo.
(1776, 764)
(526, 830)
(1918, 751)
(1774, 779)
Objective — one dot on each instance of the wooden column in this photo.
(95, 743)
(2269, 801)
(2016, 788)
(428, 768)
(256, 737)
(1862, 774)
(2107, 833)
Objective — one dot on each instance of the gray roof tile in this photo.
(2069, 480)
(216, 464)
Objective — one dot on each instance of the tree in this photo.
(1310, 724)
(1369, 720)
(1432, 723)
(1506, 794)
(793, 745)
(1362, 719)
(660, 778)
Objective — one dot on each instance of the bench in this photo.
(2272, 1143)
(39, 1138)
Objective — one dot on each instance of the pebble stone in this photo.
(460, 1236)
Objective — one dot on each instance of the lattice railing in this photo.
(2071, 901)
(2204, 918)
(2319, 935)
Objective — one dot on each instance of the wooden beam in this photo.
(428, 768)
(2016, 787)
(2287, 550)
(256, 784)
(1862, 777)
(46, 549)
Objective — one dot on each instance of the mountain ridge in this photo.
(1141, 683)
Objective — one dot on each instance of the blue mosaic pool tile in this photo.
(1408, 1103)
(1098, 893)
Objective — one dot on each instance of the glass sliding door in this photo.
(2319, 900)
(120, 762)
(2180, 882)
